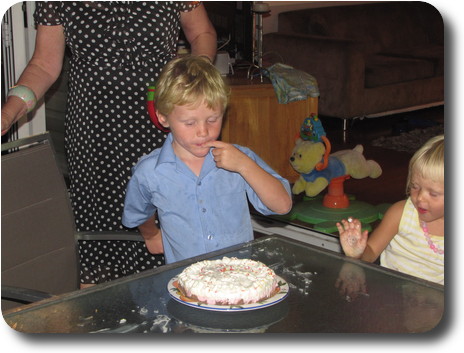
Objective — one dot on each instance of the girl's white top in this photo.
(409, 251)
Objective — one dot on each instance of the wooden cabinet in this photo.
(256, 120)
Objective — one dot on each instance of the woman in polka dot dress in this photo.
(117, 48)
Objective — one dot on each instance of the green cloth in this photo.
(290, 84)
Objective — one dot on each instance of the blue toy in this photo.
(312, 129)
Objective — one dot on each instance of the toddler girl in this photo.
(410, 237)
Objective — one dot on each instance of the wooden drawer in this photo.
(256, 120)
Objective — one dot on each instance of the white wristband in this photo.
(26, 94)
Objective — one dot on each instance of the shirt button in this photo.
(199, 183)
(203, 210)
(210, 237)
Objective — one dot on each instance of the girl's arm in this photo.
(40, 73)
(268, 188)
(356, 243)
(199, 32)
(384, 233)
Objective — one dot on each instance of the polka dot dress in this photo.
(118, 49)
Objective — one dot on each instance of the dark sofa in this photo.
(370, 59)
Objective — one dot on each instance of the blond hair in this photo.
(190, 80)
(428, 161)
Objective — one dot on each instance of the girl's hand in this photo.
(352, 239)
(228, 157)
(351, 281)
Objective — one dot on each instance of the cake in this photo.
(229, 281)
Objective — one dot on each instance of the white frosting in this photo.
(228, 281)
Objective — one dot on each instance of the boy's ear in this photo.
(162, 119)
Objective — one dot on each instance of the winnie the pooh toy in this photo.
(306, 160)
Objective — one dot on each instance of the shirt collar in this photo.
(167, 154)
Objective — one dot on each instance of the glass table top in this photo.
(327, 292)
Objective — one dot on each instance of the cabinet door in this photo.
(256, 120)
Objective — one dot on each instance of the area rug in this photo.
(409, 141)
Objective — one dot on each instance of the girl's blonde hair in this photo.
(190, 80)
(429, 161)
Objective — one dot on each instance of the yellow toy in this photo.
(307, 157)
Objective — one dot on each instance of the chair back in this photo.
(38, 245)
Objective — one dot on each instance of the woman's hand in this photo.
(352, 238)
(40, 73)
(13, 110)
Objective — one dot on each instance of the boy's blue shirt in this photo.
(197, 214)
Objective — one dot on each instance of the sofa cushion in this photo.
(434, 53)
(386, 70)
(369, 58)
(317, 25)
(380, 26)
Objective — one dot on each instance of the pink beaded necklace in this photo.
(435, 248)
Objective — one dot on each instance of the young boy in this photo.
(199, 186)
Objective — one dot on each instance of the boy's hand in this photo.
(228, 157)
(268, 188)
(152, 236)
(155, 244)
(352, 239)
